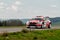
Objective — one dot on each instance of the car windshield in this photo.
(36, 19)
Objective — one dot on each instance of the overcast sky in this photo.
(18, 9)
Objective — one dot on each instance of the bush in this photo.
(25, 31)
(5, 34)
(35, 38)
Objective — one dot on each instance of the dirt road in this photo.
(16, 29)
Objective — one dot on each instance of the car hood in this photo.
(34, 21)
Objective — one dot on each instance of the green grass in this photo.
(33, 35)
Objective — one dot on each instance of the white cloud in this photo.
(14, 7)
(2, 7)
(8, 8)
(18, 3)
(53, 5)
(2, 3)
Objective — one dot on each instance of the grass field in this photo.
(33, 35)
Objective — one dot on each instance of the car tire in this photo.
(28, 27)
(49, 26)
(41, 26)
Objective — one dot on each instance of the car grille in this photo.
(32, 24)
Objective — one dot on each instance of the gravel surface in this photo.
(17, 29)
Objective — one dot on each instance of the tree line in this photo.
(11, 22)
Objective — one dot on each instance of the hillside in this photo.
(24, 20)
(55, 21)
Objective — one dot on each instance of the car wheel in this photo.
(28, 27)
(41, 26)
(49, 26)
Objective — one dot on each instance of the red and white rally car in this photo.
(39, 22)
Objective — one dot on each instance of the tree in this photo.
(1, 24)
(14, 22)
